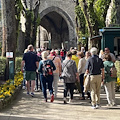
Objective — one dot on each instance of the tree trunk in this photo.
(85, 10)
(35, 24)
(28, 31)
(9, 27)
(4, 27)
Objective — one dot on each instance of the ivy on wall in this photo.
(82, 31)
(18, 10)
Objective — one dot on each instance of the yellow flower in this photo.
(7, 89)
(2, 96)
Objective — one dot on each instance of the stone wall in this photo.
(65, 8)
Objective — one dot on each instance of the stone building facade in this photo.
(58, 18)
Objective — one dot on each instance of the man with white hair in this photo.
(94, 67)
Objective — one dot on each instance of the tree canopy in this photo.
(91, 16)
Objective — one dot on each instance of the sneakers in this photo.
(70, 101)
(109, 105)
(55, 96)
(82, 98)
(52, 98)
(27, 93)
(32, 94)
(93, 107)
(23, 87)
(97, 106)
(45, 100)
(36, 90)
(65, 101)
(114, 104)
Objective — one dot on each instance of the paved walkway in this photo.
(27, 108)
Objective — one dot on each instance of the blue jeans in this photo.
(44, 82)
(81, 83)
(36, 81)
(24, 80)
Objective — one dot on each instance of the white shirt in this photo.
(81, 66)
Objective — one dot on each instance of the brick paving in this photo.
(24, 107)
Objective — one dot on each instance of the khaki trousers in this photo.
(55, 82)
(95, 85)
(110, 92)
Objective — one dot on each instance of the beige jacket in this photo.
(81, 66)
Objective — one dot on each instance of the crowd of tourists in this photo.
(82, 71)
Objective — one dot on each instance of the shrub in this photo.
(2, 65)
(18, 64)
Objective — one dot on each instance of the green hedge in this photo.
(18, 64)
(2, 65)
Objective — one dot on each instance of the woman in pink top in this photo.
(57, 72)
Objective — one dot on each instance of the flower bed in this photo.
(10, 89)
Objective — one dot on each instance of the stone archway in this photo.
(60, 25)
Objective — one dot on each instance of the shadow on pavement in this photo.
(18, 118)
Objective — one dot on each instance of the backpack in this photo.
(113, 72)
(47, 68)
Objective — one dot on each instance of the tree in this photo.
(9, 30)
(18, 11)
(32, 17)
(94, 12)
(9, 26)
(115, 17)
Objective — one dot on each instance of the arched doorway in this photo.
(60, 28)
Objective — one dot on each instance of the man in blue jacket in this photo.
(95, 67)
